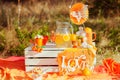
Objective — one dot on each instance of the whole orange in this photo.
(87, 72)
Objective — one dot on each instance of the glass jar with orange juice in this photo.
(62, 35)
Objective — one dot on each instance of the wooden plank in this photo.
(42, 54)
(43, 68)
(47, 52)
(49, 61)
(53, 49)
(47, 48)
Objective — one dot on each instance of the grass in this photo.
(17, 28)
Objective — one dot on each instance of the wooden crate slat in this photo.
(46, 49)
(43, 68)
(49, 61)
(42, 54)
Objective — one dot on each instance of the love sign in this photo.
(72, 64)
(73, 61)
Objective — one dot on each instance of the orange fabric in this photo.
(13, 68)
(112, 66)
(109, 66)
(13, 62)
(95, 76)
(13, 74)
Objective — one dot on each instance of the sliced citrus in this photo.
(66, 37)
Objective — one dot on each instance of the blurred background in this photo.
(21, 20)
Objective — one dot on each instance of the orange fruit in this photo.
(39, 49)
(78, 13)
(73, 37)
(66, 37)
(86, 72)
(34, 48)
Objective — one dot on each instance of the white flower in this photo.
(39, 36)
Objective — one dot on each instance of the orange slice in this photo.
(87, 72)
(79, 13)
(66, 37)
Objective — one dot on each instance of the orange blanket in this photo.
(13, 68)
(13, 62)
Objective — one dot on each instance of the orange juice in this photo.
(63, 31)
(62, 40)
(58, 39)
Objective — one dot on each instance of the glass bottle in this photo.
(81, 34)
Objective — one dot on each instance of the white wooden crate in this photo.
(46, 60)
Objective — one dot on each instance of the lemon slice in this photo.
(66, 37)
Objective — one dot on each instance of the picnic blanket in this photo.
(13, 62)
(13, 68)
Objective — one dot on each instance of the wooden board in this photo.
(43, 61)
(47, 59)
(47, 52)
(43, 68)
